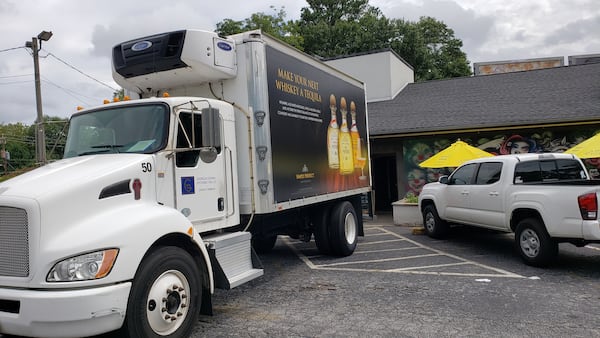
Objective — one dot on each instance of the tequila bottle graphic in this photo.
(356, 146)
(345, 142)
(333, 132)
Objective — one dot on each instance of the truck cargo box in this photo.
(307, 120)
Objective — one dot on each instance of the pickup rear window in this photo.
(548, 171)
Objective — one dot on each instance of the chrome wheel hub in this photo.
(167, 304)
(530, 243)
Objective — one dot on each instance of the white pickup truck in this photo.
(544, 199)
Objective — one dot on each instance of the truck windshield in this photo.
(124, 129)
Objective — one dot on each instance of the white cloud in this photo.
(85, 32)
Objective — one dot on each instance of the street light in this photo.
(40, 136)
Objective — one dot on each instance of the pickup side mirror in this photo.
(443, 179)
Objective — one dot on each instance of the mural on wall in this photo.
(554, 140)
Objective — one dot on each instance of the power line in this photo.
(11, 76)
(79, 71)
(68, 91)
(15, 82)
(8, 49)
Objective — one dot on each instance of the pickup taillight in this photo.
(588, 206)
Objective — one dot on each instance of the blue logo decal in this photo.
(224, 46)
(187, 185)
(140, 46)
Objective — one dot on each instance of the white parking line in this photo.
(377, 260)
(429, 266)
(358, 252)
(385, 241)
(418, 269)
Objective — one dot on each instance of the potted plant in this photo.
(406, 211)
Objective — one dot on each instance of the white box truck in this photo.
(158, 200)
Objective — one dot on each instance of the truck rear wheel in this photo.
(344, 229)
(435, 227)
(165, 295)
(534, 244)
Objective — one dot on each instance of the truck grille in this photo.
(14, 239)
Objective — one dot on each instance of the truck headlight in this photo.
(88, 266)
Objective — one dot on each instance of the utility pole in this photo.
(3, 154)
(40, 134)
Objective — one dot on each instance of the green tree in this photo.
(431, 48)
(332, 28)
(274, 25)
(20, 143)
(119, 94)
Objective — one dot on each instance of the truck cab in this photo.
(137, 178)
(193, 163)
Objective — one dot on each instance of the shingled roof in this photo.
(535, 97)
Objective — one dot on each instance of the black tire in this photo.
(434, 226)
(344, 229)
(534, 244)
(322, 237)
(263, 244)
(167, 284)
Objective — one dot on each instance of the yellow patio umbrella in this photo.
(589, 148)
(456, 154)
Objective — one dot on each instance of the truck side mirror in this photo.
(211, 135)
(211, 128)
(443, 179)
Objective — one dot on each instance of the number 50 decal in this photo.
(146, 167)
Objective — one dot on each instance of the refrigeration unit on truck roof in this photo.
(185, 57)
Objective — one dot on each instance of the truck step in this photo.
(233, 259)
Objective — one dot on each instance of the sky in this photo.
(75, 64)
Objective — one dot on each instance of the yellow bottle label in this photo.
(356, 152)
(346, 161)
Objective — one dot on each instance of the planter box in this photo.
(406, 213)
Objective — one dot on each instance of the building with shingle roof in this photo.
(545, 96)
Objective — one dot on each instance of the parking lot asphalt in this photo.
(401, 283)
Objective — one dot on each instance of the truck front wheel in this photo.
(534, 244)
(165, 295)
(344, 231)
(435, 227)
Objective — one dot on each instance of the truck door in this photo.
(487, 200)
(457, 194)
(200, 174)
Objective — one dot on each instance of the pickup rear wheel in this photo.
(435, 227)
(165, 295)
(344, 230)
(534, 244)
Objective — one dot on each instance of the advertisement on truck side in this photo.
(318, 130)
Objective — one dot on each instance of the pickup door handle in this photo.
(494, 193)
(464, 192)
